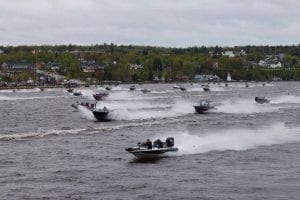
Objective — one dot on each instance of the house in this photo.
(90, 66)
(135, 66)
(229, 54)
(182, 78)
(275, 65)
(53, 65)
(263, 63)
(13, 68)
(269, 63)
(204, 77)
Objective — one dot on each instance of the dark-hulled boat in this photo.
(159, 149)
(206, 88)
(261, 100)
(99, 96)
(77, 93)
(203, 107)
(108, 88)
(70, 90)
(182, 88)
(101, 114)
(132, 87)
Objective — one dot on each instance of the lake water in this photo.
(240, 150)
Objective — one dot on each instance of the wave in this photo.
(95, 130)
(245, 106)
(234, 139)
(7, 98)
(180, 107)
(286, 99)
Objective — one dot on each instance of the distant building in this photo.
(269, 64)
(135, 66)
(13, 68)
(263, 63)
(229, 54)
(1, 51)
(53, 65)
(182, 78)
(232, 54)
(90, 66)
(275, 65)
(205, 77)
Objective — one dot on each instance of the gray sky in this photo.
(173, 23)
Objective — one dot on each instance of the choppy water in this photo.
(242, 150)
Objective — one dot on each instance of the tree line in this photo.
(170, 64)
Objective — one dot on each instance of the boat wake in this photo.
(244, 106)
(180, 107)
(286, 99)
(7, 98)
(234, 139)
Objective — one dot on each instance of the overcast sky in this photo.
(172, 23)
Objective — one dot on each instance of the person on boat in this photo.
(158, 143)
(149, 144)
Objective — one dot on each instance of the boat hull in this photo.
(99, 97)
(261, 100)
(77, 94)
(151, 153)
(206, 89)
(202, 109)
(100, 115)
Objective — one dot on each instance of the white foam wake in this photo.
(246, 106)
(234, 139)
(286, 99)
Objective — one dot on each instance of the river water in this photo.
(240, 150)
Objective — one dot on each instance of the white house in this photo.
(228, 53)
(263, 63)
(276, 65)
(135, 66)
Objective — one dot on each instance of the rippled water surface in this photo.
(240, 150)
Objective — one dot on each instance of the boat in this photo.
(145, 90)
(206, 88)
(228, 77)
(182, 88)
(77, 93)
(70, 90)
(100, 95)
(261, 100)
(108, 88)
(158, 149)
(132, 87)
(101, 113)
(179, 87)
(87, 105)
(176, 86)
(203, 107)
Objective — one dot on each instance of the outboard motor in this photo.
(170, 142)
